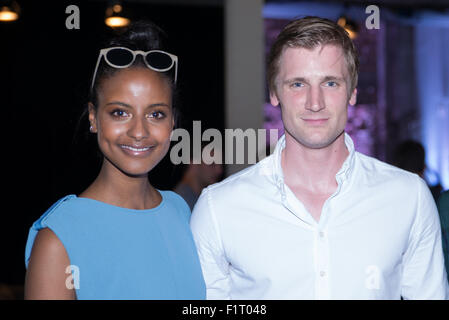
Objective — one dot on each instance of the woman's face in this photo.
(133, 120)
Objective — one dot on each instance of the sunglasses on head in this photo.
(122, 57)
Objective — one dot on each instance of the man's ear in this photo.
(274, 99)
(353, 98)
(92, 117)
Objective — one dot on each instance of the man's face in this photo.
(312, 88)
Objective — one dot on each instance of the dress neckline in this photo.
(135, 211)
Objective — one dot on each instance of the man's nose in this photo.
(315, 99)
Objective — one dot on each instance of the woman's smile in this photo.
(136, 150)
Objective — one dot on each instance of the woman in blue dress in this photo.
(121, 238)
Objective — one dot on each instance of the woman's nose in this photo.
(138, 129)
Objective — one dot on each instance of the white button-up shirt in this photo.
(378, 236)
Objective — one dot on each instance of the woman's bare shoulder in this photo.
(46, 274)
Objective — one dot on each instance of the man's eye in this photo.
(331, 84)
(297, 84)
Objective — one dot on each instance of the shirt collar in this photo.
(344, 173)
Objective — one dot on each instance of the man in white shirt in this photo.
(316, 219)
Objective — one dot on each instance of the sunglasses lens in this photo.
(159, 60)
(119, 57)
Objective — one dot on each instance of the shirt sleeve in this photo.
(210, 250)
(424, 276)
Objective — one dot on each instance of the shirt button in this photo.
(322, 273)
(321, 234)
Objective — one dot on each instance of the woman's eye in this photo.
(157, 114)
(119, 113)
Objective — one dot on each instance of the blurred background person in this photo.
(196, 177)
(410, 155)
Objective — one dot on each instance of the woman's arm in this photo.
(46, 277)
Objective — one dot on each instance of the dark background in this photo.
(45, 72)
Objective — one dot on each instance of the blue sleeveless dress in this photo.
(120, 253)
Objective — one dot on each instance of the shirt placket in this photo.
(322, 250)
(322, 288)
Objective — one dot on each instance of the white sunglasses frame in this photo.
(104, 51)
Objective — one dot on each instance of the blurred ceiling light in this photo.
(350, 26)
(9, 11)
(115, 17)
